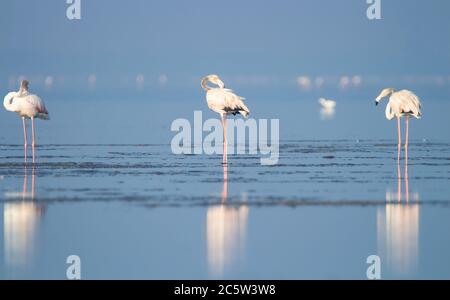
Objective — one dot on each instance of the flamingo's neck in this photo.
(23, 87)
(204, 85)
(23, 91)
(9, 103)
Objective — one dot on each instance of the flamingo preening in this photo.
(27, 106)
(224, 102)
(401, 104)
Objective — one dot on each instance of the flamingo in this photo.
(403, 103)
(327, 104)
(224, 102)
(27, 106)
(327, 109)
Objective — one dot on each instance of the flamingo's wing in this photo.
(37, 103)
(225, 101)
(409, 103)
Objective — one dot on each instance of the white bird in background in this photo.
(329, 104)
(224, 102)
(27, 106)
(328, 107)
(401, 104)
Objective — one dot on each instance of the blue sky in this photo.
(251, 37)
(260, 48)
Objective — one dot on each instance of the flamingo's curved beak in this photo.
(376, 103)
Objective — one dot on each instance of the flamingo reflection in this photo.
(21, 218)
(226, 228)
(398, 228)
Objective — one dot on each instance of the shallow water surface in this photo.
(138, 211)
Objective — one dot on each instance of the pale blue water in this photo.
(108, 188)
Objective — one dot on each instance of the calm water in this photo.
(107, 188)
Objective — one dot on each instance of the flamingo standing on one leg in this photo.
(27, 106)
(403, 103)
(224, 102)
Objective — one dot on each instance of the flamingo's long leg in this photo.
(407, 138)
(399, 139)
(33, 143)
(225, 140)
(406, 160)
(223, 145)
(25, 138)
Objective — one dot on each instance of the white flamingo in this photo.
(27, 106)
(327, 109)
(224, 102)
(401, 104)
(327, 104)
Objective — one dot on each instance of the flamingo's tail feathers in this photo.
(243, 110)
(44, 116)
(244, 113)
